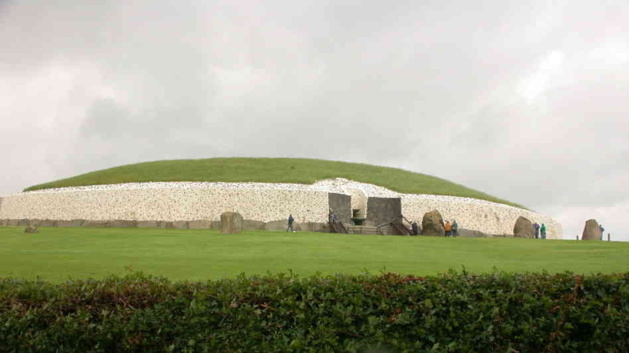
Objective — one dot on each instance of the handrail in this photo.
(401, 220)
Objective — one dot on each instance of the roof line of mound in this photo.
(271, 170)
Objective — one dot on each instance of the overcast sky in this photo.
(524, 100)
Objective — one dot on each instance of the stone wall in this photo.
(476, 215)
(257, 202)
(168, 205)
(383, 209)
(341, 205)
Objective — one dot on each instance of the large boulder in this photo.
(523, 228)
(432, 224)
(231, 223)
(591, 230)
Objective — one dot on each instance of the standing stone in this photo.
(591, 230)
(523, 228)
(432, 224)
(231, 223)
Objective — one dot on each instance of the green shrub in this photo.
(499, 312)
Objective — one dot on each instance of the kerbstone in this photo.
(95, 224)
(47, 223)
(72, 223)
(148, 224)
(248, 224)
(200, 224)
(281, 225)
(123, 224)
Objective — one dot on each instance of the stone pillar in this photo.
(231, 223)
(591, 230)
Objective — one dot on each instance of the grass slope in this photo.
(271, 170)
(57, 254)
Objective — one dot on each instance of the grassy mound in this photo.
(271, 170)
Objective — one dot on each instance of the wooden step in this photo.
(362, 230)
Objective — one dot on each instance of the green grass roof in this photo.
(270, 170)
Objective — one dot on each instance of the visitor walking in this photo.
(290, 223)
(600, 227)
(542, 230)
(536, 226)
(455, 228)
(448, 228)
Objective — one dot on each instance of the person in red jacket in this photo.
(448, 228)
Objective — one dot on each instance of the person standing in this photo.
(414, 228)
(600, 227)
(290, 223)
(448, 228)
(542, 230)
(536, 226)
(455, 228)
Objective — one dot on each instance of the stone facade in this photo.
(341, 205)
(476, 215)
(383, 209)
(192, 205)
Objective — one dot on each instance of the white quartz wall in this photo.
(487, 217)
(186, 201)
(168, 204)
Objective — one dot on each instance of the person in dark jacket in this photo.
(536, 226)
(414, 228)
(290, 223)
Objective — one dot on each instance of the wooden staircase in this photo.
(400, 228)
(337, 227)
(367, 230)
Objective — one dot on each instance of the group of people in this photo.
(540, 231)
(452, 229)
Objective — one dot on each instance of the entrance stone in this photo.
(432, 224)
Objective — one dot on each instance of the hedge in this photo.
(454, 312)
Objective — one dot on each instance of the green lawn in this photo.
(57, 254)
(60, 253)
(271, 170)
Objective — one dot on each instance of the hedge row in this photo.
(498, 312)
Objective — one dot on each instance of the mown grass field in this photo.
(58, 254)
(271, 170)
